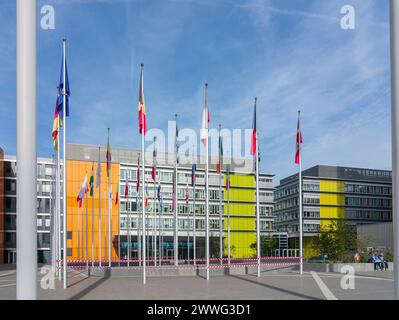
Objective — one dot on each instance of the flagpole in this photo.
(64, 175)
(394, 12)
(87, 231)
(206, 190)
(78, 231)
(58, 201)
(258, 244)
(159, 221)
(194, 215)
(300, 205)
(99, 213)
(26, 272)
(176, 236)
(188, 229)
(109, 212)
(128, 226)
(119, 224)
(155, 225)
(53, 223)
(220, 199)
(92, 220)
(143, 195)
(228, 222)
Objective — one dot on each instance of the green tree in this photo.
(336, 241)
(268, 244)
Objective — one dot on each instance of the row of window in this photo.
(367, 189)
(368, 202)
(369, 215)
(183, 224)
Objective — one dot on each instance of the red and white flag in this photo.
(126, 186)
(142, 109)
(298, 142)
(206, 118)
(82, 192)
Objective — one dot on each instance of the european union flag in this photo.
(61, 88)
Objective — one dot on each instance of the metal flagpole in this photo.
(194, 213)
(300, 204)
(206, 190)
(64, 175)
(159, 222)
(110, 227)
(78, 232)
(99, 210)
(119, 223)
(58, 202)
(220, 199)
(258, 244)
(53, 224)
(394, 12)
(92, 221)
(128, 226)
(154, 239)
(143, 208)
(228, 220)
(139, 247)
(26, 151)
(109, 213)
(176, 221)
(143, 186)
(87, 231)
(188, 227)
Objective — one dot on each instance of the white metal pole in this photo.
(394, 16)
(87, 231)
(258, 243)
(194, 215)
(228, 224)
(26, 151)
(58, 200)
(53, 224)
(128, 232)
(99, 219)
(300, 208)
(207, 192)
(143, 207)
(64, 169)
(109, 227)
(176, 220)
(92, 224)
(119, 223)
(109, 215)
(220, 200)
(154, 248)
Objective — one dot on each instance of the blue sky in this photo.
(290, 53)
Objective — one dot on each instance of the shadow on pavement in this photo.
(90, 288)
(277, 288)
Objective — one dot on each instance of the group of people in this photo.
(379, 261)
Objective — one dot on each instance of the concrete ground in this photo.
(283, 285)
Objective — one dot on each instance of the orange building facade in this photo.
(83, 224)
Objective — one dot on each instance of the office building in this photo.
(356, 196)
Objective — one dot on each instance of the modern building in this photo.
(81, 159)
(376, 236)
(356, 196)
(8, 187)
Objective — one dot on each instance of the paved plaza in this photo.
(282, 285)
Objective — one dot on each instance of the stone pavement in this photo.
(284, 285)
